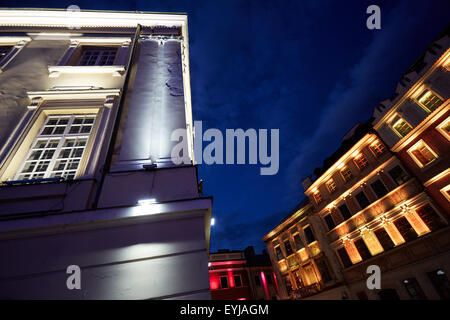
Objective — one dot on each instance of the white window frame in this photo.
(61, 139)
(419, 164)
(17, 44)
(76, 44)
(441, 130)
(59, 102)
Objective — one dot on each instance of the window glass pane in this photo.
(440, 282)
(224, 282)
(362, 249)
(402, 127)
(287, 246)
(298, 242)
(406, 230)
(379, 188)
(361, 161)
(331, 186)
(344, 211)
(384, 239)
(346, 174)
(58, 156)
(414, 290)
(344, 257)
(362, 200)
(237, 281)
(4, 50)
(377, 148)
(279, 253)
(309, 235)
(398, 175)
(430, 217)
(329, 221)
(422, 153)
(430, 101)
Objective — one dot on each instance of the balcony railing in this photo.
(305, 291)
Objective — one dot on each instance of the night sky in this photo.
(309, 68)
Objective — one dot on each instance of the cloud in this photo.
(353, 98)
(235, 231)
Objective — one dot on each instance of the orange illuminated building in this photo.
(381, 199)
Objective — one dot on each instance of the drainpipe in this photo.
(107, 165)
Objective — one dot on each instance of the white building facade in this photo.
(88, 102)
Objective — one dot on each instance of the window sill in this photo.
(56, 71)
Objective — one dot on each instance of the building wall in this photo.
(130, 259)
(126, 249)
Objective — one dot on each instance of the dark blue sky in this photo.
(310, 68)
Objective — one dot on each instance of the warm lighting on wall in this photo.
(417, 223)
(355, 154)
(340, 165)
(352, 252)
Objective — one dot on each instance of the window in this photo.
(362, 249)
(58, 148)
(444, 128)
(344, 257)
(224, 282)
(362, 200)
(377, 148)
(269, 277)
(398, 175)
(429, 101)
(257, 280)
(331, 186)
(379, 188)
(329, 221)
(298, 241)
(384, 239)
(344, 211)
(406, 230)
(323, 269)
(446, 192)
(346, 174)
(4, 50)
(440, 283)
(279, 253)
(97, 56)
(430, 217)
(414, 290)
(237, 281)
(309, 235)
(401, 127)
(361, 161)
(317, 196)
(422, 154)
(287, 246)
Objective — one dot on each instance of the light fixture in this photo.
(213, 221)
(355, 153)
(146, 202)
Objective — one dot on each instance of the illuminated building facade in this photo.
(241, 275)
(382, 198)
(88, 104)
(416, 123)
(298, 256)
